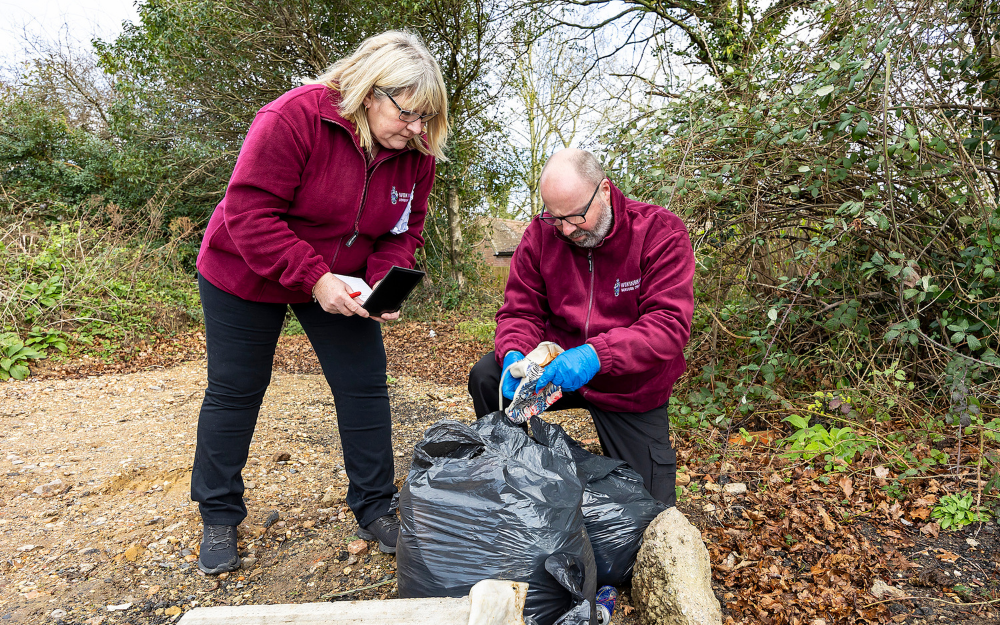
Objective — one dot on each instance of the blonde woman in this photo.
(333, 178)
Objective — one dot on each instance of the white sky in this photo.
(44, 19)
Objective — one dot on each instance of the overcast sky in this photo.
(45, 19)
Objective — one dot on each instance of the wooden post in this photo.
(491, 602)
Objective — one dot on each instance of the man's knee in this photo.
(486, 372)
(484, 382)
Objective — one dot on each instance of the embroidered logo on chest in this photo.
(396, 196)
(624, 287)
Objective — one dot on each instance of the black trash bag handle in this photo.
(447, 439)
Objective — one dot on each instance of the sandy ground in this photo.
(96, 523)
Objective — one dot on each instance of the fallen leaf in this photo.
(947, 556)
(828, 523)
(881, 472)
(931, 529)
(920, 513)
(847, 485)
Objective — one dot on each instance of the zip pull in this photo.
(590, 260)
(354, 237)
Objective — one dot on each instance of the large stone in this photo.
(672, 583)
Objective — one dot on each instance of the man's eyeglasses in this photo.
(576, 219)
(405, 115)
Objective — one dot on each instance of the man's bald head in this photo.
(574, 166)
(568, 179)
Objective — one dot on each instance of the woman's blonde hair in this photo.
(398, 63)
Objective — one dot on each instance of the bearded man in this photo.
(610, 280)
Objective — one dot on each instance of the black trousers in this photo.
(241, 337)
(642, 439)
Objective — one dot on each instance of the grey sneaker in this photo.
(385, 529)
(218, 549)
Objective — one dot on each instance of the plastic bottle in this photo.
(607, 596)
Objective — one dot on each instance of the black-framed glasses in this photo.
(576, 219)
(404, 115)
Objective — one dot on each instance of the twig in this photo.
(931, 599)
(979, 477)
(735, 336)
(349, 592)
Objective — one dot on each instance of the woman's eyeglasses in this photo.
(405, 115)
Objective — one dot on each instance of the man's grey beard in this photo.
(601, 230)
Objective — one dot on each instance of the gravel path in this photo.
(96, 524)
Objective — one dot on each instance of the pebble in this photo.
(281, 456)
(248, 562)
(272, 518)
(319, 566)
(249, 485)
(27, 547)
(172, 611)
(709, 507)
(713, 488)
(735, 488)
(347, 570)
(683, 479)
(328, 499)
(118, 608)
(87, 567)
(48, 490)
(58, 613)
(357, 547)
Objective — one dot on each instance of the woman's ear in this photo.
(368, 100)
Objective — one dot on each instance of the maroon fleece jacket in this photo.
(631, 298)
(303, 201)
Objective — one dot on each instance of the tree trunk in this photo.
(455, 236)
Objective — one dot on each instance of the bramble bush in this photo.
(842, 199)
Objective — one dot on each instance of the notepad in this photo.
(355, 284)
(393, 290)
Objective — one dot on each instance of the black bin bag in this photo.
(617, 508)
(488, 502)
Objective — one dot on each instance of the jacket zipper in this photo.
(590, 303)
(364, 198)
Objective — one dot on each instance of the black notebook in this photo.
(393, 290)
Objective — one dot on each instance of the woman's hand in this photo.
(335, 297)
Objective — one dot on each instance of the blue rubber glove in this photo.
(571, 369)
(508, 382)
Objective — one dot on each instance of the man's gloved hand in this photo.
(508, 382)
(571, 369)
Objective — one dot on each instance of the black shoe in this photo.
(218, 549)
(385, 529)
